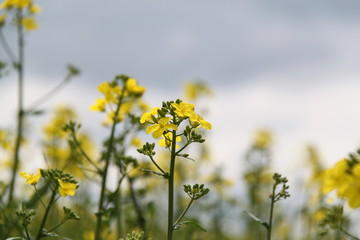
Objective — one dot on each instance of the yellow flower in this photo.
(35, 9)
(198, 121)
(352, 193)
(111, 92)
(194, 90)
(99, 105)
(5, 142)
(159, 128)
(148, 116)
(29, 24)
(135, 141)
(167, 139)
(2, 18)
(66, 188)
(15, 3)
(262, 139)
(31, 178)
(184, 110)
(337, 178)
(22, 3)
(132, 87)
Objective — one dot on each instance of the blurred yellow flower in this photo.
(66, 188)
(2, 18)
(337, 178)
(99, 105)
(30, 177)
(133, 88)
(35, 9)
(262, 139)
(29, 24)
(135, 141)
(111, 92)
(193, 90)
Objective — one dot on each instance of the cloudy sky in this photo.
(289, 66)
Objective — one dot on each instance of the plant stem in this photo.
(158, 167)
(348, 234)
(7, 48)
(184, 212)
(58, 225)
(171, 188)
(20, 115)
(105, 170)
(271, 213)
(42, 225)
(27, 233)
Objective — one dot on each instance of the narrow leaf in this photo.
(193, 224)
(256, 219)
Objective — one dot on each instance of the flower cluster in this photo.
(344, 177)
(119, 98)
(27, 10)
(63, 182)
(169, 117)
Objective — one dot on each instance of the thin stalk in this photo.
(184, 212)
(105, 171)
(20, 115)
(7, 48)
(27, 233)
(271, 213)
(58, 225)
(171, 188)
(84, 153)
(42, 225)
(349, 235)
(158, 167)
(32, 108)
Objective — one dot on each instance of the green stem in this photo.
(171, 188)
(158, 167)
(33, 107)
(58, 225)
(271, 213)
(20, 115)
(184, 212)
(77, 143)
(105, 171)
(27, 233)
(42, 225)
(7, 48)
(352, 237)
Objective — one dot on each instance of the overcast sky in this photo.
(289, 66)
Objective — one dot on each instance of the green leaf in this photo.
(51, 234)
(193, 224)
(15, 238)
(256, 219)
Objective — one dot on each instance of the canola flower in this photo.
(28, 11)
(161, 123)
(122, 90)
(344, 178)
(160, 127)
(193, 90)
(66, 188)
(31, 178)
